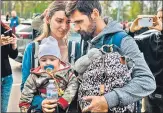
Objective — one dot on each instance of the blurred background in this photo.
(118, 10)
(122, 11)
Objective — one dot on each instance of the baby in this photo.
(65, 80)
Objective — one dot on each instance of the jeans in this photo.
(6, 84)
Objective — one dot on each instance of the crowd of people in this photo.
(145, 77)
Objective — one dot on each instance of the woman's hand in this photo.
(14, 42)
(134, 26)
(157, 24)
(49, 106)
(5, 40)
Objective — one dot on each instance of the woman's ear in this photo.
(95, 14)
(47, 19)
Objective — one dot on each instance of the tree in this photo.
(134, 9)
(114, 13)
(106, 7)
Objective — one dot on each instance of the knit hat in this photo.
(49, 46)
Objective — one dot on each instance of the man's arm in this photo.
(142, 83)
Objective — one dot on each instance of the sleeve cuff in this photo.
(112, 99)
(24, 104)
(63, 103)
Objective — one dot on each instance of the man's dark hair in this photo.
(85, 7)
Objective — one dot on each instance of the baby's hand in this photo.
(49, 105)
(23, 109)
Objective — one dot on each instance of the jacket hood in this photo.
(64, 68)
(111, 27)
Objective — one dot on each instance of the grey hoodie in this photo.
(142, 83)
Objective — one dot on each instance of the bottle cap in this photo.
(51, 81)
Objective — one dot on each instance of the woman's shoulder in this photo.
(30, 46)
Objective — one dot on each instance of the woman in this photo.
(56, 24)
(8, 48)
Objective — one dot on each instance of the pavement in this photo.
(13, 105)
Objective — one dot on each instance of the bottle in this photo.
(51, 90)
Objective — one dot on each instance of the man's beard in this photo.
(88, 35)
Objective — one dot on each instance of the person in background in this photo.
(8, 49)
(14, 21)
(135, 29)
(154, 102)
(7, 16)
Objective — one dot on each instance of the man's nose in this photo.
(76, 28)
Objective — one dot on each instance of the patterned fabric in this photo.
(108, 69)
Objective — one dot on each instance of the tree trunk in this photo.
(21, 8)
(142, 7)
(9, 6)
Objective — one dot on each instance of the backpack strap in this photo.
(73, 51)
(72, 55)
(115, 39)
(35, 48)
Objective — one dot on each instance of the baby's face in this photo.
(49, 60)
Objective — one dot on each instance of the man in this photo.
(14, 20)
(86, 15)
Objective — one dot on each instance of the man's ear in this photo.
(95, 14)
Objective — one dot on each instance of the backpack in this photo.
(105, 72)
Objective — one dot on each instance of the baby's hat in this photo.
(49, 46)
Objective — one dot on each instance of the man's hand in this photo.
(48, 106)
(98, 104)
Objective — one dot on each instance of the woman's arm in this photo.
(26, 64)
(13, 51)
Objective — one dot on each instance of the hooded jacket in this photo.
(142, 83)
(38, 81)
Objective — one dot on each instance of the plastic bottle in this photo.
(51, 90)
